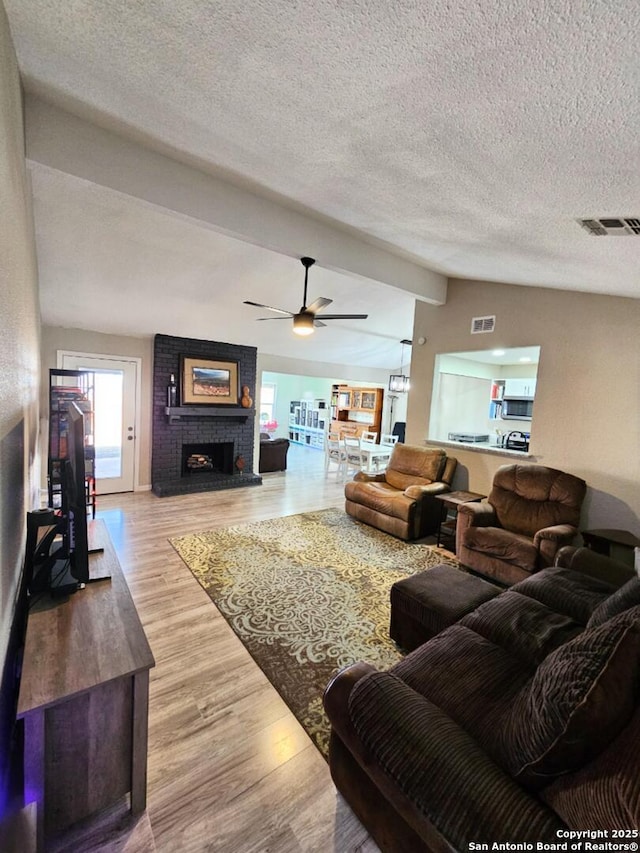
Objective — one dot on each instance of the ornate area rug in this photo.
(307, 594)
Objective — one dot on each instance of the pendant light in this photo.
(398, 382)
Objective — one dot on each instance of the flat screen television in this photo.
(74, 497)
(57, 558)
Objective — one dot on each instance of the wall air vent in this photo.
(483, 324)
(611, 227)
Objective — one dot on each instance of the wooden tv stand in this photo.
(84, 698)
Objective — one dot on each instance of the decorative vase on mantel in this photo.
(172, 392)
(246, 401)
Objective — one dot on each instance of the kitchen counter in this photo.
(481, 447)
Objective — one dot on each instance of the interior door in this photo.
(115, 398)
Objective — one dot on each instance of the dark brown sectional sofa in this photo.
(518, 723)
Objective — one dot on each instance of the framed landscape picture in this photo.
(209, 383)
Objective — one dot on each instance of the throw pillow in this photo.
(580, 698)
(622, 599)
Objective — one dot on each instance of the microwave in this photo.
(517, 409)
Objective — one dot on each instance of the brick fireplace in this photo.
(200, 448)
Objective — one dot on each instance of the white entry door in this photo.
(115, 417)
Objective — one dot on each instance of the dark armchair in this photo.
(273, 453)
(531, 512)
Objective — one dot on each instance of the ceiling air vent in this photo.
(611, 227)
(483, 324)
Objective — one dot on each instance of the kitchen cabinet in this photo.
(520, 387)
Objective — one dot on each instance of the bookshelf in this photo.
(308, 422)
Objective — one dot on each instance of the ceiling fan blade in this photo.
(320, 303)
(344, 316)
(288, 317)
(318, 323)
(268, 307)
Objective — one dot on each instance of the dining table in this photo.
(375, 456)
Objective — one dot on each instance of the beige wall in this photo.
(19, 347)
(78, 340)
(587, 409)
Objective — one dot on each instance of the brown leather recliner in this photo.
(531, 512)
(400, 500)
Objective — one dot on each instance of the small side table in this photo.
(449, 518)
(618, 544)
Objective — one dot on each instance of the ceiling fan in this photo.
(306, 318)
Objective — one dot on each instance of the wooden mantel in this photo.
(176, 413)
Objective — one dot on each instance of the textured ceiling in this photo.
(470, 135)
(141, 270)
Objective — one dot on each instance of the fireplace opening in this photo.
(207, 458)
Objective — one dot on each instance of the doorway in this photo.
(115, 396)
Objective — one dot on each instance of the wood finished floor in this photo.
(230, 768)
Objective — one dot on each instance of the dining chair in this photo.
(354, 459)
(379, 462)
(388, 438)
(334, 454)
(369, 436)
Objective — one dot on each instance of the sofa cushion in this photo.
(567, 591)
(467, 676)
(414, 466)
(380, 497)
(502, 545)
(437, 766)
(622, 599)
(579, 700)
(606, 792)
(524, 626)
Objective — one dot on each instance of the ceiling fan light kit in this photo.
(305, 320)
(303, 324)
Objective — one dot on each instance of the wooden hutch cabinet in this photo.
(356, 409)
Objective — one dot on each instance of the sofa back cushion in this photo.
(622, 599)
(528, 498)
(606, 792)
(580, 698)
(573, 593)
(414, 466)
